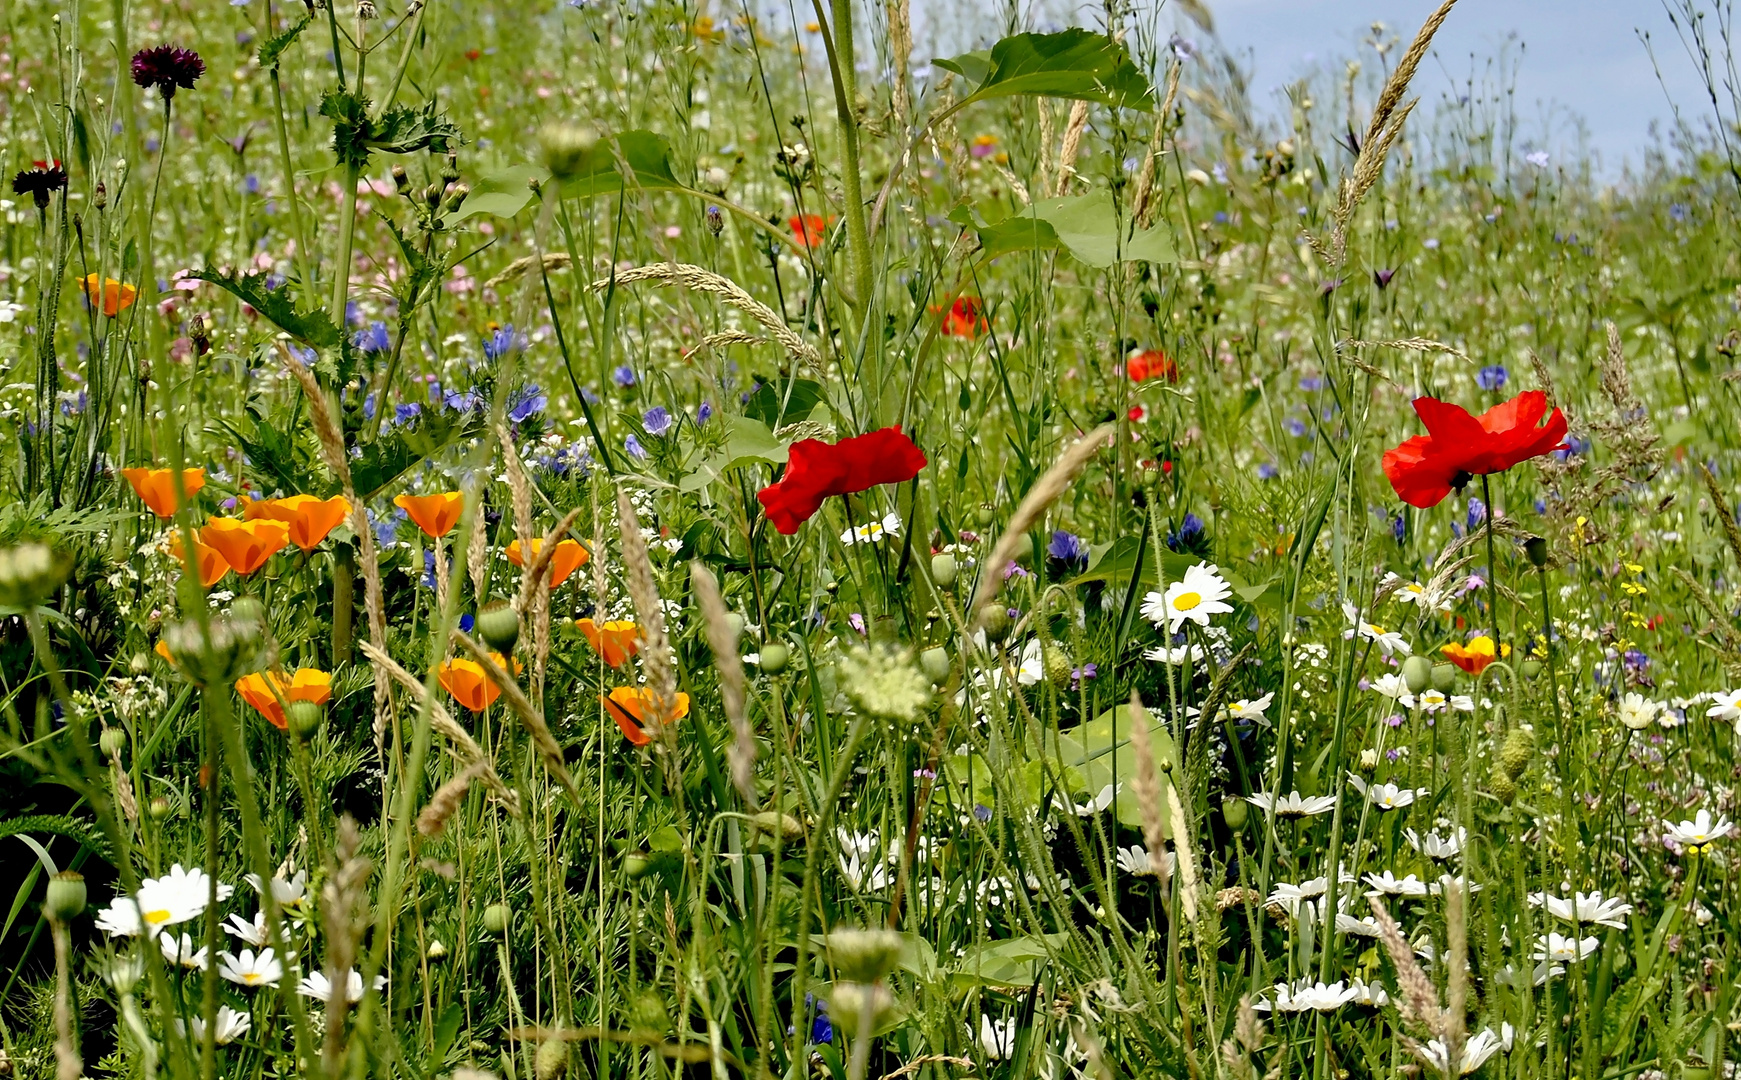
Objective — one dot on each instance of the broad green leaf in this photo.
(1086, 226)
(312, 328)
(1092, 754)
(1072, 63)
(747, 442)
(1115, 562)
(502, 193)
(506, 192)
(1011, 962)
(765, 404)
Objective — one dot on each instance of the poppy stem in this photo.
(1492, 565)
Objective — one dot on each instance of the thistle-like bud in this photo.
(1517, 752)
(865, 956)
(401, 179)
(436, 953)
(1417, 673)
(101, 196)
(159, 808)
(715, 220)
(1504, 787)
(850, 1002)
(450, 168)
(30, 574)
(224, 651)
(566, 148)
(1056, 664)
(456, 197)
(995, 618)
(433, 193)
(499, 626)
(66, 897)
(944, 568)
(774, 657)
(551, 1060)
(771, 822)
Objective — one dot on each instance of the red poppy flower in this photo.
(1151, 364)
(965, 318)
(815, 470)
(1457, 446)
(808, 229)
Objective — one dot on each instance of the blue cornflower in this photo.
(406, 412)
(501, 342)
(1477, 513)
(632, 446)
(1294, 426)
(657, 421)
(1310, 383)
(1266, 470)
(624, 375)
(1399, 528)
(369, 407)
(705, 413)
(529, 402)
(821, 1027)
(1187, 534)
(1492, 377)
(1068, 549)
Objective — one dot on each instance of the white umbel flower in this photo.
(1200, 594)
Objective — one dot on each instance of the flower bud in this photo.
(1444, 677)
(401, 179)
(944, 568)
(734, 625)
(1368, 759)
(566, 148)
(865, 956)
(1055, 662)
(499, 626)
(30, 574)
(159, 808)
(456, 196)
(1234, 812)
(985, 515)
(934, 662)
(1530, 668)
(497, 918)
(450, 168)
(1417, 673)
(436, 953)
(774, 657)
(304, 719)
(772, 821)
(1504, 787)
(850, 1001)
(113, 742)
(1536, 548)
(1517, 752)
(715, 220)
(224, 651)
(995, 618)
(66, 897)
(636, 864)
(551, 1060)
(140, 664)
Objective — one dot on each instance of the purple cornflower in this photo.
(1082, 674)
(1492, 377)
(40, 182)
(632, 446)
(502, 342)
(372, 338)
(704, 414)
(1067, 548)
(1189, 532)
(167, 67)
(624, 376)
(1383, 277)
(529, 402)
(1477, 513)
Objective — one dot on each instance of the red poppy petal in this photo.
(1420, 474)
(1450, 425)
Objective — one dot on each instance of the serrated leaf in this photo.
(647, 155)
(273, 47)
(1074, 63)
(381, 463)
(404, 130)
(312, 328)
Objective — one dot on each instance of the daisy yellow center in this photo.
(1375, 630)
(157, 917)
(1186, 601)
(250, 977)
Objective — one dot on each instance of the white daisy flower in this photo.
(181, 951)
(1389, 642)
(1289, 896)
(254, 933)
(251, 969)
(1305, 996)
(1365, 993)
(1413, 592)
(1590, 907)
(1135, 860)
(289, 893)
(1201, 593)
(1098, 804)
(873, 533)
(1032, 669)
(1391, 685)
(1388, 884)
(1293, 804)
(1164, 655)
(1434, 846)
(1246, 711)
(316, 985)
(1699, 831)
(1365, 926)
(997, 1037)
(1559, 948)
(176, 897)
(1387, 796)
(1726, 705)
(231, 1026)
(1475, 1052)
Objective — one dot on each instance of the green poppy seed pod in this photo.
(1234, 811)
(1517, 752)
(636, 864)
(30, 574)
(1417, 673)
(985, 515)
(850, 1001)
(159, 808)
(499, 626)
(113, 742)
(775, 657)
(1055, 662)
(734, 625)
(1504, 787)
(497, 918)
(1530, 668)
(1536, 548)
(865, 956)
(995, 619)
(304, 719)
(566, 148)
(66, 897)
(551, 1060)
(934, 662)
(944, 568)
(1444, 677)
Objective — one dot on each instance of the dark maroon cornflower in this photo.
(1382, 277)
(167, 67)
(40, 183)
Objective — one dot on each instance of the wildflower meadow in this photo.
(635, 538)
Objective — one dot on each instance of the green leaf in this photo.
(392, 455)
(506, 192)
(503, 193)
(312, 328)
(1116, 561)
(349, 114)
(1092, 755)
(273, 47)
(747, 442)
(765, 404)
(60, 825)
(1011, 962)
(1087, 226)
(404, 130)
(1074, 63)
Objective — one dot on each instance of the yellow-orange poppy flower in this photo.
(434, 514)
(116, 296)
(630, 707)
(162, 650)
(469, 683)
(308, 684)
(309, 518)
(614, 641)
(245, 545)
(212, 564)
(568, 557)
(1475, 656)
(156, 487)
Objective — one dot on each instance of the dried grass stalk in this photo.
(342, 900)
(1144, 202)
(1148, 790)
(446, 800)
(1417, 1001)
(900, 47)
(1188, 881)
(553, 260)
(732, 688)
(650, 617)
(1032, 507)
(1399, 80)
(1072, 145)
(703, 280)
(1457, 970)
(1413, 344)
(542, 739)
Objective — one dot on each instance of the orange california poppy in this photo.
(808, 229)
(615, 641)
(156, 487)
(309, 518)
(212, 564)
(630, 706)
(308, 684)
(162, 650)
(469, 683)
(116, 296)
(1475, 656)
(245, 545)
(568, 557)
(434, 514)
